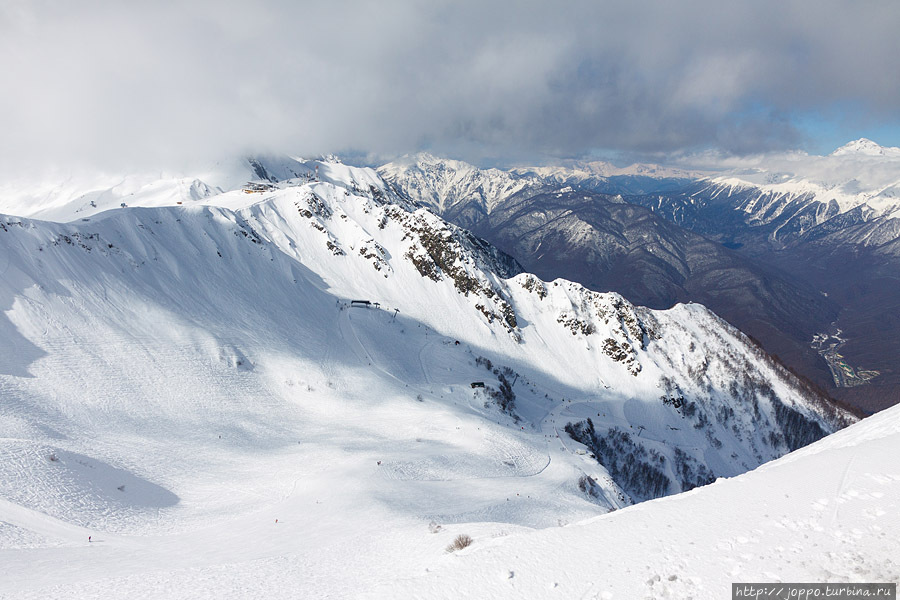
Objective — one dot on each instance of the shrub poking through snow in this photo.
(589, 487)
(505, 397)
(461, 541)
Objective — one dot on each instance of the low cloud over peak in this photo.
(156, 83)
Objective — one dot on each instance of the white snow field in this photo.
(189, 385)
(827, 513)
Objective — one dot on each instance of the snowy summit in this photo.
(866, 147)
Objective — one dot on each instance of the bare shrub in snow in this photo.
(588, 486)
(461, 541)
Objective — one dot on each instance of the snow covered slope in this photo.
(786, 246)
(175, 378)
(826, 513)
(570, 226)
(70, 196)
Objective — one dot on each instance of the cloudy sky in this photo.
(122, 83)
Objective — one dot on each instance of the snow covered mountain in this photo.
(561, 226)
(313, 353)
(789, 248)
(606, 178)
(465, 194)
(580, 170)
(866, 147)
(824, 514)
(783, 197)
(455, 190)
(784, 200)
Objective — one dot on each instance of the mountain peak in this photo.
(865, 147)
(429, 159)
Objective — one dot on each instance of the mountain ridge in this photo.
(382, 250)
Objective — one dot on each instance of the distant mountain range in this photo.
(786, 249)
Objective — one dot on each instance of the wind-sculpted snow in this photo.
(80, 489)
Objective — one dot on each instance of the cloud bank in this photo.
(119, 83)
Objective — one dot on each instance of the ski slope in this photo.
(215, 427)
(827, 513)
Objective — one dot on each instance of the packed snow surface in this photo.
(828, 513)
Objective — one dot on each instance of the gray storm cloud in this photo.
(162, 82)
